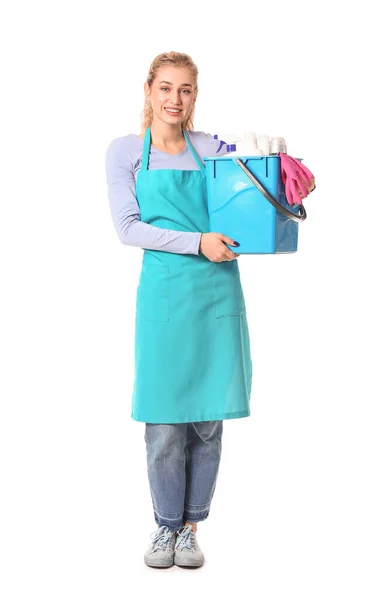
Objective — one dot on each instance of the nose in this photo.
(175, 97)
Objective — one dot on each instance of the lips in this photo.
(172, 111)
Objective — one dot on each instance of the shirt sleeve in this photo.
(125, 211)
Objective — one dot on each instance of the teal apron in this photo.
(192, 352)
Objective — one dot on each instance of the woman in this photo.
(193, 365)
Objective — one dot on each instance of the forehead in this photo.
(175, 75)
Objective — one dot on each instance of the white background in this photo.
(288, 519)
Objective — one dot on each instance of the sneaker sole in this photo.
(158, 565)
(188, 564)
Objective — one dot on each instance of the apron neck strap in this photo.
(147, 144)
(146, 148)
(195, 154)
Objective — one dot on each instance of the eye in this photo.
(185, 90)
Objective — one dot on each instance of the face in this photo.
(173, 88)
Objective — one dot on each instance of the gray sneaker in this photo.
(187, 551)
(160, 553)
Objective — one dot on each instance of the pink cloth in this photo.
(297, 179)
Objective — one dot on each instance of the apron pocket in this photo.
(153, 293)
(227, 289)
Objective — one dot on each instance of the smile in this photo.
(172, 111)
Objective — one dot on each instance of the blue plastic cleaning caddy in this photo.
(246, 201)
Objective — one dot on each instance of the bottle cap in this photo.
(277, 144)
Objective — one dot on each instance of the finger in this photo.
(295, 192)
(229, 255)
(312, 186)
(288, 193)
(228, 240)
(302, 185)
(303, 168)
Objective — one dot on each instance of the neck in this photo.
(165, 135)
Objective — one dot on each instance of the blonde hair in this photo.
(172, 59)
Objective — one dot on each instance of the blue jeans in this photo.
(182, 462)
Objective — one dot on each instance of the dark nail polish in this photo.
(236, 243)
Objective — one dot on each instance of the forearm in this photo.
(150, 237)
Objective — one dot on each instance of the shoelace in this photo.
(186, 539)
(161, 539)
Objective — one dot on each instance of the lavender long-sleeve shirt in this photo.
(122, 164)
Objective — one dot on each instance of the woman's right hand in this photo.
(213, 246)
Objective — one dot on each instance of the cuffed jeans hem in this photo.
(195, 517)
(173, 523)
